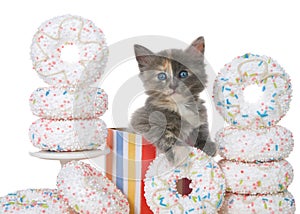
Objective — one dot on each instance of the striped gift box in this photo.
(126, 166)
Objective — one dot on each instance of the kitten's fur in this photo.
(173, 115)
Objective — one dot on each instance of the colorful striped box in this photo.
(127, 164)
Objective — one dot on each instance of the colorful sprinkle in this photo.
(262, 114)
(246, 56)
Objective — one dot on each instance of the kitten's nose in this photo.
(173, 86)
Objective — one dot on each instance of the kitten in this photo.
(173, 115)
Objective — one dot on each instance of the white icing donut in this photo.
(207, 184)
(257, 178)
(52, 40)
(68, 135)
(250, 145)
(88, 191)
(68, 103)
(270, 78)
(33, 201)
(279, 203)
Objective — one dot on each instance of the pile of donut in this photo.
(70, 108)
(254, 148)
(69, 112)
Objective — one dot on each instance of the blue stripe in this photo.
(119, 169)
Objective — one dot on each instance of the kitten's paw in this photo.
(210, 148)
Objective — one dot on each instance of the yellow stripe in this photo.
(131, 171)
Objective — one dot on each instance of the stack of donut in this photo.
(70, 108)
(253, 147)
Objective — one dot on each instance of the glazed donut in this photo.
(279, 203)
(274, 143)
(207, 184)
(252, 70)
(68, 103)
(68, 135)
(257, 178)
(88, 191)
(52, 39)
(33, 201)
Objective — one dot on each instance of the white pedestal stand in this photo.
(65, 157)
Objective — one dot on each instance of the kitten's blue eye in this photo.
(162, 76)
(183, 74)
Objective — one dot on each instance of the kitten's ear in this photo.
(143, 55)
(197, 45)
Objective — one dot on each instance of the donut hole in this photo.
(183, 186)
(69, 53)
(252, 94)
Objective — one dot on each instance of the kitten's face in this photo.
(172, 73)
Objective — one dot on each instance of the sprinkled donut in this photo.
(257, 178)
(54, 37)
(207, 184)
(34, 201)
(88, 191)
(68, 103)
(279, 203)
(68, 135)
(252, 70)
(274, 143)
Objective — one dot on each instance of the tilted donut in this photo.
(263, 72)
(88, 191)
(34, 201)
(257, 178)
(250, 145)
(279, 203)
(207, 184)
(52, 39)
(68, 135)
(68, 103)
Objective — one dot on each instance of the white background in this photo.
(230, 28)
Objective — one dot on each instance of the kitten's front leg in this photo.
(203, 140)
(153, 126)
(200, 135)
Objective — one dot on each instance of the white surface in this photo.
(65, 157)
(231, 28)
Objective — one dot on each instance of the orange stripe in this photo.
(131, 171)
(109, 157)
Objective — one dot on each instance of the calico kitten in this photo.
(173, 115)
